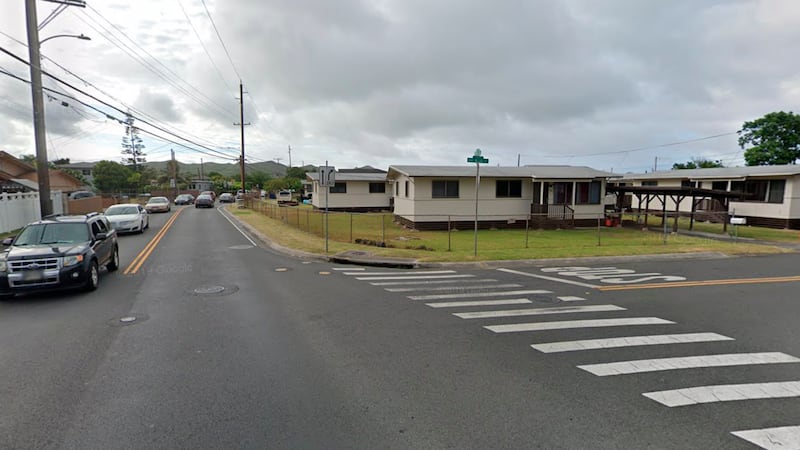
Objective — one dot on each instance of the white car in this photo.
(158, 204)
(128, 218)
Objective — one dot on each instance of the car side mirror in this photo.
(7, 241)
(101, 236)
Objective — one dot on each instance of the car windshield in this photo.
(53, 233)
(121, 210)
(158, 200)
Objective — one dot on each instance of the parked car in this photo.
(204, 201)
(212, 194)
(226, 197)
(63, 252)
(128, 218)
(158, 204)
(80, 194)
(184, 199)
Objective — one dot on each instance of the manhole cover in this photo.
(130, 319)
(205, 290)
(240, 247)
(214, 290)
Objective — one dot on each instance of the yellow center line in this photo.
(148, 249)
(788, 279)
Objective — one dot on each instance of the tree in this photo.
(257, 178)
(110, 177)
(30, 159)
(772, 139)
(698, 163)
(132, 147)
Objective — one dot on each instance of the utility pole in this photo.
(202, 174)
(518, 156)
(40, 138)
(290, 155)
(241, 124)
(655, 165)
(174, 175)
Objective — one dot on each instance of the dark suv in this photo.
(58, 253)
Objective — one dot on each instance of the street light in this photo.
(40, 138)
(76, 36)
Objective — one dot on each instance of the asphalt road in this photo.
(235, 346)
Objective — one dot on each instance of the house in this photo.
(764, 195)
(360, 189)
(86, 169)
(13, 169)
(437, 197)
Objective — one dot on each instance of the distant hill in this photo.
(228, 169)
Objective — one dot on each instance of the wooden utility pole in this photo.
(241, 124)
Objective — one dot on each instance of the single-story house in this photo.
(12, 168)
(354, 190)
(437, 197)
(769, 195)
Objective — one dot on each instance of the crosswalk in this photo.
(449, 290)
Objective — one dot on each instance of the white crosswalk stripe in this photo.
(349, 269)
(687, 362)
(569, 324)
(455, 288)
(510, 301)
(427, 282)
(628, 341)
(399, 272)
(725, 393)
(479, 294)
(570, 298)
(412, 277)
(784, 438)
(538, 311)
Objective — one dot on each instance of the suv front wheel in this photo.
(114, 263)
(93, 279)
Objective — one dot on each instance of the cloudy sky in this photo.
(602, 83)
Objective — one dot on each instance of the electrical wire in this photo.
(224, 47)
(199, 39)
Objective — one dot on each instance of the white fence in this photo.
(17, 210)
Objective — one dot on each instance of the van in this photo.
(285, 197)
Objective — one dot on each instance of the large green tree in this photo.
(111, 177)
(698, 163)
(771, 140)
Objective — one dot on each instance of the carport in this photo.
(646, 194)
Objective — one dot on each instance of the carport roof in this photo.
(718, 172)
(352, 176)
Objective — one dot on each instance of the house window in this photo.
(562, 193)
(719, 185)
(406, 187)
(587, 193)
(445, 189)
(339, 188)
(649, 183)
(508, 188)
(689, 183)
(776, 188)
(377, 188)
(86, 171)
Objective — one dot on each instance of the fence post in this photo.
(448, 234)
(351, 228)
(527, 228)
(665, 228)
(308, 222)
(383, 229)
(598, 231)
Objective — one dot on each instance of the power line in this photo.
(204, 46)
(224, 47)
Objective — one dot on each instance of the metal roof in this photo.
(352, 176)
(718, 172)
(543, 172)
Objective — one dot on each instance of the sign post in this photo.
(327, 178)
(477, 159)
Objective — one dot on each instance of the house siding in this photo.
(357, 197)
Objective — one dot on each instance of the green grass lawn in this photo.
(744, 231)
(303, 229)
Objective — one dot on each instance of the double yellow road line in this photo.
(729, 281)
(148, 249)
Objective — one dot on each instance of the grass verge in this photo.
(433, 246)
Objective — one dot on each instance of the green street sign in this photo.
(478, 159)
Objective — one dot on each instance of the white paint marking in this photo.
(454, 288)
(422, 277)
(570, 298)
(400, 272)
(569, 324)
(349, 269)
(725, 393)
(411, 283)
(628, 341)
(538, 311)
(543, 277)
(510, 301)
(219, 210)
(476, 294)
(687, 362)
(772, 438)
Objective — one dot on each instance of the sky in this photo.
(617, 85)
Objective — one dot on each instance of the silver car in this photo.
(128, 218)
